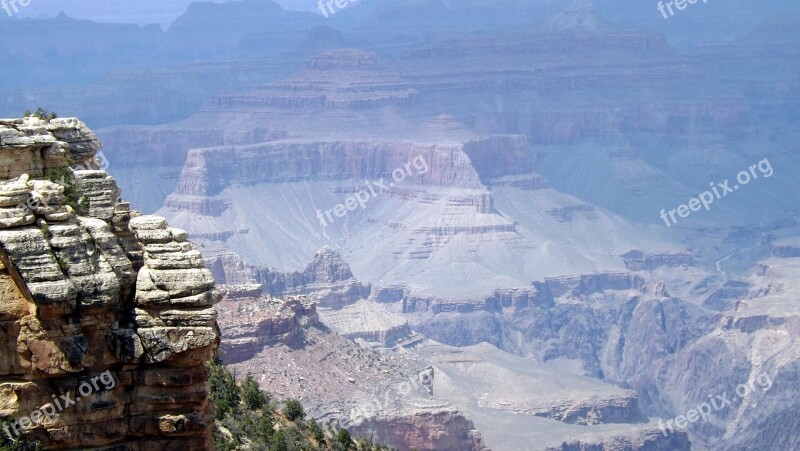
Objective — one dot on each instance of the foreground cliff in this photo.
(107, 316)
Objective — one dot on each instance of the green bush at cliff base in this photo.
(247, 418)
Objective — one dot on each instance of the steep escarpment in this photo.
(107, 315)
(323, 160)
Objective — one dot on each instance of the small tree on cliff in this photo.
(343, 440)
(294, 410)
(224, 391)
(41, 113)
(252, 395)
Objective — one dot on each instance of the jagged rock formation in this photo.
(101, 294)
(786, 248)
(327, 278)
(636, 260)
(467, 192)
(593, 99)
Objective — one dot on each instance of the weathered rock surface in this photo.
(373, 394)
(250, 322)
(109, 307)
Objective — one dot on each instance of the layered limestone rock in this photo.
(100, 305)
(327, 278)
(252, 322)
(786, 248)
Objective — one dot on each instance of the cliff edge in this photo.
(107, 316)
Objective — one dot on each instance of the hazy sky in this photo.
(129, 11)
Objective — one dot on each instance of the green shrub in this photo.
(294, 410)
(65, 178)
(278, 442)
(264, 427)
(343, 440)
(246, 412)
(83, 206)
(41, 113)
(316, 431)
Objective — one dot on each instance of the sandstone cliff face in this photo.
(102, 306)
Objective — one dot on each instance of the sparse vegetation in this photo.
(253, 397)
(22, 443)
(65, 178)
(248, 419)
(42, 114)
(343, 439)
(83, 206)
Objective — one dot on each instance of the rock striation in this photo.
(92, 291)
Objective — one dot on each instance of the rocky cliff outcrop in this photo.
(252, 322)
(107, 315)
(786, 248)
(326, 278)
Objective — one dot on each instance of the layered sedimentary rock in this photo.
(252, 322)
(786, 248)
(98, 303)
(637, 260)
(540, 404)
(592, 100)
(439, 194)
(425, 430)
(327, 278)
(367, 321)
